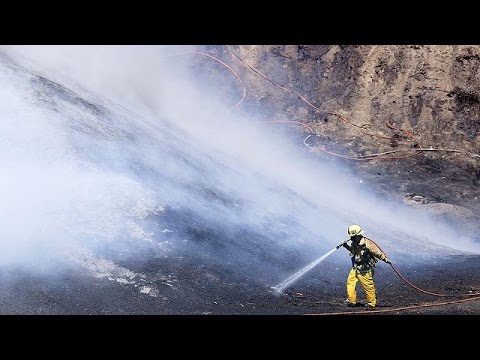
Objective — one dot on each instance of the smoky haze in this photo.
(117, 151)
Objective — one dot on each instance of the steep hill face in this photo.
(108, 209)
(362, 101)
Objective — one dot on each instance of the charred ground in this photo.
(372, 99)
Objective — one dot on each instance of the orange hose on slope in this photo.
(244, 90)
(368, 312)
(470, 297)
(422, 290)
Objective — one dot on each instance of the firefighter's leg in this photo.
(351, 285)
(366, 279)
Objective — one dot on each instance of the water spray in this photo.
(294, 277)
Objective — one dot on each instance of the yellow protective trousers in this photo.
(366, 280)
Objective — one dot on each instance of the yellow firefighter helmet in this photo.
(354, 230)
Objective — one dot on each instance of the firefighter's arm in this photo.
(375, 250)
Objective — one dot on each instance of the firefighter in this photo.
(365, 254)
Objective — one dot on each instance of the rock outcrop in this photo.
(367, 100)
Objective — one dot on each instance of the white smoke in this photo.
(92, 167)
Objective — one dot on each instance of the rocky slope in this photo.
(362, 101)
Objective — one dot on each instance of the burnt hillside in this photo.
(365, 101)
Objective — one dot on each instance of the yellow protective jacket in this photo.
(365, 254)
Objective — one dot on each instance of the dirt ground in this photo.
(202, 289)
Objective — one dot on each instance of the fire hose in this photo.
(470, 296)
(420, 289)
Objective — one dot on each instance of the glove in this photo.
(344, 244)
(388, 262)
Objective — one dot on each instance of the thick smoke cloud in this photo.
(115, 150)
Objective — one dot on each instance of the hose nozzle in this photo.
(344, 242)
